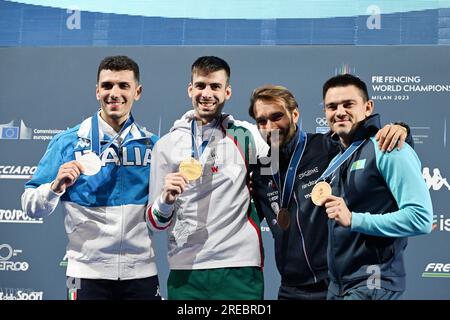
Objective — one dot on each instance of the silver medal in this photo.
(91, 163)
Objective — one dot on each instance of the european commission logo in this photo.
(10, 132)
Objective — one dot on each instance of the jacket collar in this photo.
(184, 123)
(366, 129)
(106, 132)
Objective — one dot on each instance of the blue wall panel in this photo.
(31, 25)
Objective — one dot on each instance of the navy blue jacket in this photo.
(300, 251)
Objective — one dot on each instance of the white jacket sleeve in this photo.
(158, 214)
(41, 201)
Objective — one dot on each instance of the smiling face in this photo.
(345, 108)
(208, 92)
(116, 91)
(273, 115)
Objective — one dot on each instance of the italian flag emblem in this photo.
(73, 294)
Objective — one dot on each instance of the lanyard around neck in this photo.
(289, 181)
(95, 136)
(337, 162)
(195, 152)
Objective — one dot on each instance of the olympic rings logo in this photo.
(321, 121)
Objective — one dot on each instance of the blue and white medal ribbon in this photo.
(95, 137)
(322, 189)
(195, 152)
(338, 161)
(283, 216)
(91, 161)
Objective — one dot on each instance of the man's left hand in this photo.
(391, 135)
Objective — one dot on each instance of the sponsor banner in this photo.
(441, 223)
(399, 87)
(20, 294)
(434, 179)
(16, 172)
(63, 262)
(437, 270)
(7, 259)
(16, 216)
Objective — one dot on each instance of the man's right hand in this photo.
(68, 173)
(174, 185)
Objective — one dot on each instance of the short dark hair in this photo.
(119, 63)
(208, 64)
(344, 80)
(272, 93)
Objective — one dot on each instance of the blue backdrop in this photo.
(235, 22)
(46, 90)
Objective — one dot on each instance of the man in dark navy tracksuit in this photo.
(300, 250)
(378, 200)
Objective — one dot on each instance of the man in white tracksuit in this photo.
(215, 246)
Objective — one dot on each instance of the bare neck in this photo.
(116, 124)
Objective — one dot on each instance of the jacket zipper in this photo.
(121, 210)
(303, 241)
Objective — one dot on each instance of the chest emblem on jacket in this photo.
(358, 165)
(126, 157)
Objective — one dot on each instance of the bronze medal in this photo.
(284, 218)
(320, 191)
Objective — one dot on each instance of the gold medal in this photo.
(283, 218)
(191, 168)
(320, 191)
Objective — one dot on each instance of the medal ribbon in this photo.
(337, 162)
(195, 152)
(95, 136)
(288, 187)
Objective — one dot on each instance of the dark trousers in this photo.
(99, 289)
(364, 293)
(316, 291)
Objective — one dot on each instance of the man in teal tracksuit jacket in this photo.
(378, 200)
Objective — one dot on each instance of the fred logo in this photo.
(358, 165)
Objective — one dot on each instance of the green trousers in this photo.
(242, 283)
